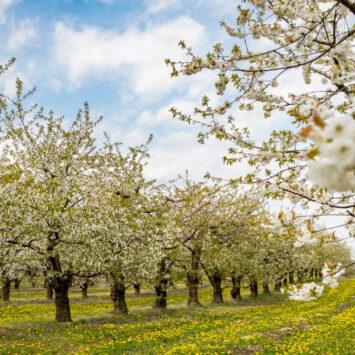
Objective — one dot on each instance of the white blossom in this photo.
(306, 292)
(331, 275)
(335, 165)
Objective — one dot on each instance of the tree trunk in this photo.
(266, 289)
(118, 292)
(193, 292)
(161, 295)
(290, 278)
(6, 290)
(193, 281)
(84, 290)
(137, 289)
(161, 287)
(216, 282)
(277, 286)
(49, 287)
(62, 306)
(49, 291)
(254, 288)
(33, 284)
(17, 284)
(284, 282)
(235, 292)
(299, 276)
(60, 285)
(311, 273)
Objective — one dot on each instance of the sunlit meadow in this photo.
(270, 325)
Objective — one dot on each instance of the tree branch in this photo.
(315, 201)
(349, 4)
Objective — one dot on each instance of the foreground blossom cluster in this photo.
(311, 291)
(333, 135)
(306, 292)
(334, 139)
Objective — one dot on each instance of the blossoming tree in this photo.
(312, 161)
(314, 37)
(119, 224)
(57, 174)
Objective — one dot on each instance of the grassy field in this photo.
(270, 325)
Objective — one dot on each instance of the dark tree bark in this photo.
(17, 284)
(290, 278)
(161, 287)
(311, 273)
(84, 290)
(236, 286)
(266, 287)
(62, 306)
(254, 288)
(193, 291)
(49, 288)
(161, 295)
(277, 285)
(299, 276)
(49, 291)
(216, 282)
(284, 282)
(193, 281)
(118, 292)
(6, 290)
(33, 284)
(137, 289)
(60, 285)
(349, 4)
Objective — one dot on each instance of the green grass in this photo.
(270, 325)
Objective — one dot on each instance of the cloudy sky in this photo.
(111, 53)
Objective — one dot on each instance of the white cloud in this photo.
(163, 116)
(54, 84)
(136, 54)
(4, 5)
(219, 7)
(106, 1)
(23, 35)
(179, 151)
(155, 6)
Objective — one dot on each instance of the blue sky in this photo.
(111, 53)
